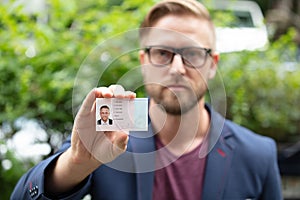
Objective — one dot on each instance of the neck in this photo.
(182, 133)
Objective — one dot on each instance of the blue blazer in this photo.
(240, 165)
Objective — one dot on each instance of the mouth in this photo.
(177, 88)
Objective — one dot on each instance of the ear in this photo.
(142, 56)
(142, 59)
(214, 65)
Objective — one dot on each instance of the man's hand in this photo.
(88, 145)
(89, 148)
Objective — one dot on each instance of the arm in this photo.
(89, 149)
(31, 184)
(272, 185)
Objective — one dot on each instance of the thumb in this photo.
(121, 141)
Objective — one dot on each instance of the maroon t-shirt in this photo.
(182, 179)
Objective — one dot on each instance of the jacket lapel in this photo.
(218, 160)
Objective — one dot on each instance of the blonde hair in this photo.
(175, 7)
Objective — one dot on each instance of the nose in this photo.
(177, 65)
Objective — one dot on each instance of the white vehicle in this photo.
(244, 27)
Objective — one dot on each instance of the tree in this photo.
(40, 54)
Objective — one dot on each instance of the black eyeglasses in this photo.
(194, 57)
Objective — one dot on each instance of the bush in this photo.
(40, 54)
(262, 89)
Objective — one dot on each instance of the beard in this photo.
(179, 102)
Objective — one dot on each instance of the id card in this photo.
(114, 114)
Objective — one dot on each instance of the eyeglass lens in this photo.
(191, 56)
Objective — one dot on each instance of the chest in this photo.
(178, 177)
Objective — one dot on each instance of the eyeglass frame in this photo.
(178, 51)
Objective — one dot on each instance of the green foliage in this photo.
(262, 89)
(40, 54)
(221, 16)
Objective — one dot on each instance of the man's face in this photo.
(104, 113)
(175, 86)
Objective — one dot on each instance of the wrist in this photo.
(80, 164)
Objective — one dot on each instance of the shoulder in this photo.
(247, 142)
(243, 133)
(251, 142)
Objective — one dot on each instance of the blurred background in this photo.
(44, 42)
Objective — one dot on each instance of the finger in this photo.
(117, 90)
(98, 92)
(107, 150)
(105, 92)
(121, 141)
(88, 103)
(110, 135)
(130, 94)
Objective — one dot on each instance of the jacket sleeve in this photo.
(272, 184)
(31, 185)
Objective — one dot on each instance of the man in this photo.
(189, 152)
(104, 116)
